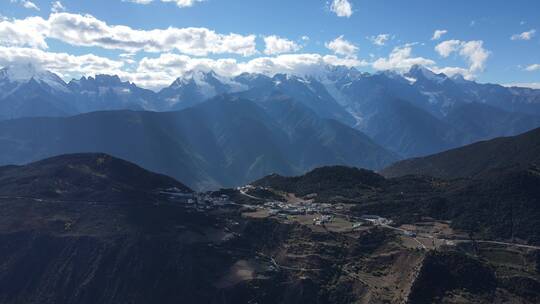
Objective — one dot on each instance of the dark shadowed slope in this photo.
(506, 152)
(83, 176)
(329, 183)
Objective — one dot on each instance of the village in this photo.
(319, 216)
(200, 201)
(322, 213)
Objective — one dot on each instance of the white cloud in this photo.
(299, 64)
(530, 85)
(64, 64)
(380, 39)
(57, 7)
(452, 71)
(161, 71)
(472, 51)
(179, 3)
(342, 8)
(30, 5)
(276, 45)
(138, 1)
(340, 46)
(524, 36)
(26, 4)
(475, 53)
(447, 47)
(183, 3)
(533, 67)
(400, 59)
(86, 30)
(26, 32)
(438, 34)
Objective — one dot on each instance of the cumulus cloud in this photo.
(26, 4)
(475, 53)
(167, 67)
(533, 67)
(179, 3)
(340, 46)
(472, 51)
(452, 71)
(524, 36)
(342, 8)
(401, 59)
(64, 64)
(438, 34)
(277, 45)
(161, 71)
(27, 32)
(380, 39)
(57, 7)
(86, 30)
(447, 47)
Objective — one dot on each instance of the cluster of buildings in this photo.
(324, 212)
(375, 220)
(323, 219)
(198, 201)
(283, 208)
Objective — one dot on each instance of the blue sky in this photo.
(477, 39)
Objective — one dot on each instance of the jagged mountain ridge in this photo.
(391, 108)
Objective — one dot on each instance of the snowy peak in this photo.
(24, 73)
(199, 78)
(204, 84)
(419, 72)
(27, 72)
(459, 79)
(341, 73)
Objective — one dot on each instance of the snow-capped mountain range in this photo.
(414, 113)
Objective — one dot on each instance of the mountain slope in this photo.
(329, 183)
(309, 92)
(83, 176)
(399, 126)
(223, 142)
(316, 142)
(478, 121)
(516, 152)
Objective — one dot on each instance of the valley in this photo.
(252, 243)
